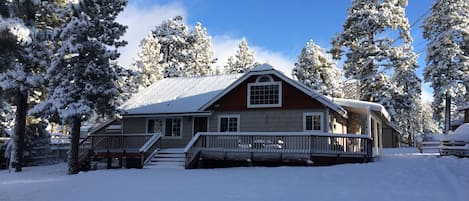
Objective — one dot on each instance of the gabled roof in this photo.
(177, 95)
(268, 69)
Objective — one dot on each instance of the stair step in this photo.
(178, 166)
(156, 159)
(171, 151)
(160, 155)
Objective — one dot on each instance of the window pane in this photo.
(168, 127)
(264, 94)
(233, 125)
(176, 130)
(223, 124)
(158, 126)
(309, 123)
(317, 122)
(151, 126)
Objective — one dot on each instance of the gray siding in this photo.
(139, 125)
(179, 142)
(134, 125)
(267, 120)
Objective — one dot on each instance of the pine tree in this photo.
(429, 125)
(26, 40)
(128, 83)
(172, 36)
(242, 61)
(201, 53)
(447, 32)
(408, 105)
(148, 64)
(81, 79)
(316, 70)
(6, 117)
(368, 50)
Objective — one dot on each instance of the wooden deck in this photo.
(254, 148)
(135, 150)
(207, 149)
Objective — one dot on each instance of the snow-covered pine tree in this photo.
(408, 103)
(447, 32)
(128, 83)
(316, 70)
(201, 53)
(6, 117)
(429, 125)
(81, 79)
(368, 47)
(25, 26)
(172, 35)
(148, 62)
(242, 61)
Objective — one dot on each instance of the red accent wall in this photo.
(292, 98)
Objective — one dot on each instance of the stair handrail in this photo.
(192, 151)
(152, 145)
(83, 151)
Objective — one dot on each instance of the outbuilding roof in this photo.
(364, 105)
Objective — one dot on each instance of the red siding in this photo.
(292, 98)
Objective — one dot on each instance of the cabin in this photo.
(260, 117)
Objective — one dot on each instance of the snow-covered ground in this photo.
(400, 175)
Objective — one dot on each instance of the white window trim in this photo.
(264, 105)
(321, 119)
(237, 116)
(163, 135)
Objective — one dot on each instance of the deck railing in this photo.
(319, 144)
(118, 143)
(129, 142)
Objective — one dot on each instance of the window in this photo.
(264, 78)
(167, 127)
(313, 121)
(228, 123)
(155, 126)
(264, 94)
(173, 127)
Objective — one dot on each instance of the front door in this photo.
(200, 124)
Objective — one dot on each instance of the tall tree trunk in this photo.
(447, 113)
(20, 119)
(73, 166)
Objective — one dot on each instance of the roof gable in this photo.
(267, 69)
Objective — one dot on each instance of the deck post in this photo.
(109, 160)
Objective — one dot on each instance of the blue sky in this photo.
(277, 30)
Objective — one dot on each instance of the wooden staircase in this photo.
(168, 158)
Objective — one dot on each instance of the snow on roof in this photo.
(464, 107)
(363, 104)
(263, 67)
(178, 95)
